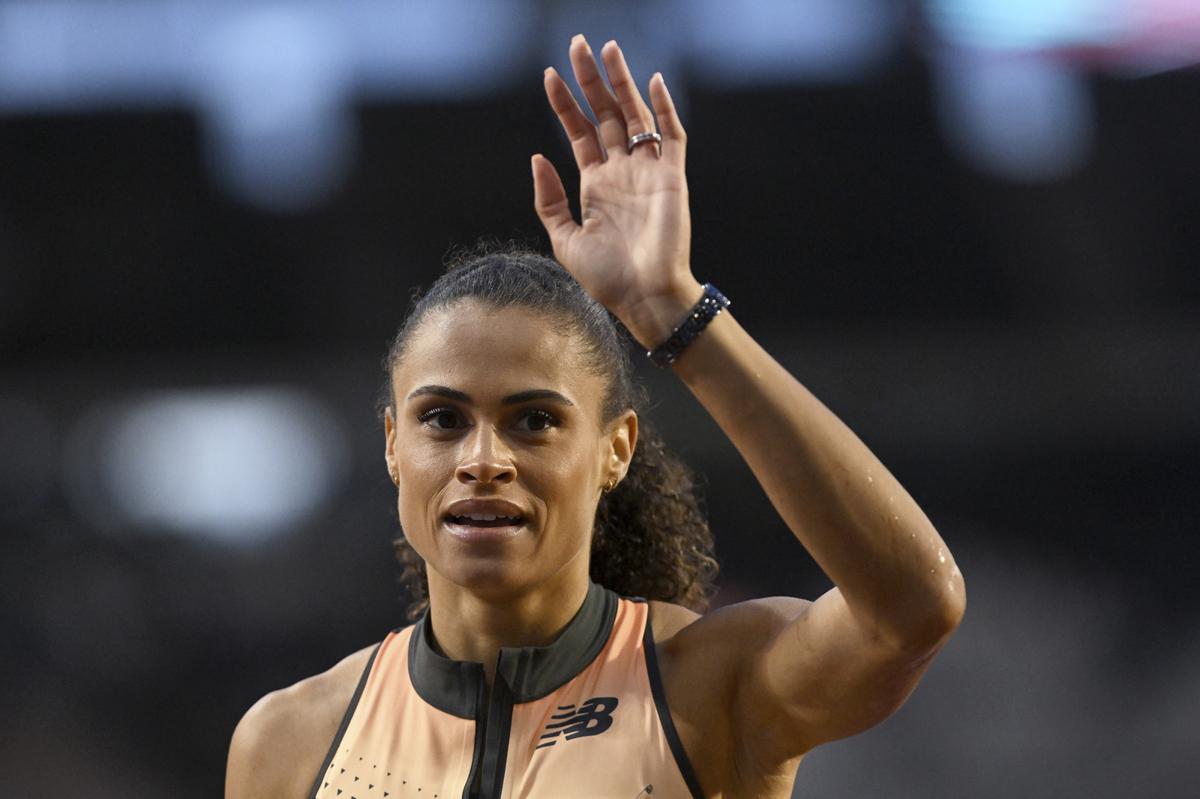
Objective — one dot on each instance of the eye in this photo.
(546, 419)
(435, 413)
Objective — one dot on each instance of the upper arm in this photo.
(819, 675)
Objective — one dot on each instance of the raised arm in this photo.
(840, 664)
(824, 669)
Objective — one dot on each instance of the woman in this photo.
(510, 429)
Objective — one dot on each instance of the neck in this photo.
(471, 627)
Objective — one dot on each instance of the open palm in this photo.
(634, 240)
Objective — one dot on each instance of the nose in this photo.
(484, 459)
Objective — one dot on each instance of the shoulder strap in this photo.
(337, 739)
(664, 713)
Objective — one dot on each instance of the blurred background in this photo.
(968, 226)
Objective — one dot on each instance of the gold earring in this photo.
(610, 485)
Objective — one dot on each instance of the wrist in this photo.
(711, 303)
(654, 319)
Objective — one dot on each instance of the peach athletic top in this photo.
(583, 717)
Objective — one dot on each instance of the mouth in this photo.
(468, 529)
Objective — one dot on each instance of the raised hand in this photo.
(632, 251)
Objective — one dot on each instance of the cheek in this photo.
(423, 479)
(569, 488)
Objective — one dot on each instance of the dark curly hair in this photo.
(651, 537)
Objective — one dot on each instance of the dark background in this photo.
(1022, 354)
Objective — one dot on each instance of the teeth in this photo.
(484, 517)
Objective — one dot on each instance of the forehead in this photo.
(492, 350)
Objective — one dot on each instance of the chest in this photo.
(429, 727)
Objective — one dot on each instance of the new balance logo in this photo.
(591, 718)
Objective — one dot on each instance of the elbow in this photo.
(954, 607)
(946, 609)
(930, 623)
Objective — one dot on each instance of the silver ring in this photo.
(634, 141)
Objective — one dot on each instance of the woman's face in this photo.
(457, 433)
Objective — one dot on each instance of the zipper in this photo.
(493, 724)
(471, 791)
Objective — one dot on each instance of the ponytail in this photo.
(651, 538)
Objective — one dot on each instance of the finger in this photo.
(580, 131)
(600, 98)
(550, 202)
(674, 143)
(638, 118)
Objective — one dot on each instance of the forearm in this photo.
(849, 512)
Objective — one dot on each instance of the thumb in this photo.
(550, 202)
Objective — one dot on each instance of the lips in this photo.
(484, 519)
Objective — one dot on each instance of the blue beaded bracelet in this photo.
(711, 304)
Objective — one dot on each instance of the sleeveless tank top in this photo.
(583, 717)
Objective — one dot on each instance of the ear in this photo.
(389, 430)
(622, 440)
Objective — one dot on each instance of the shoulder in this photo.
(279, 744)
(731, 627)
(667, 619)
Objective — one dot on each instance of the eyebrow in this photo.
(511, 399)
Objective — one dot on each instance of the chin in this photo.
(489, 577)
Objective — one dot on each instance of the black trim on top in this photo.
(664, 714)
(337, 738)
(450, 685)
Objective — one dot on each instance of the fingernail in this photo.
(613, 42)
